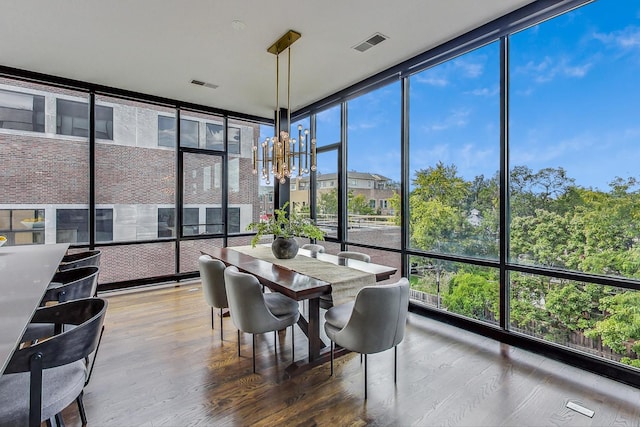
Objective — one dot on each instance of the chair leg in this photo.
(221, 337)
(83, 414)
(59, 420)
(395, 364)
(365, 377)
(332, 348)
(293, 346)
(275, 345)
(253, 341)
(238, 342)
(211, 317)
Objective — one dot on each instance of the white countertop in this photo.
(25, 272)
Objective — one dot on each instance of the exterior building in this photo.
(44, 150)
(375, 188)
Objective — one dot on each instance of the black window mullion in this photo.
(179, 192)
(92, 170)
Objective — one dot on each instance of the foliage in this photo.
(287, 225)
(473, 295)
(552, 223)
(621, 323)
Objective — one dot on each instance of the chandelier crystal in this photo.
(282, 156)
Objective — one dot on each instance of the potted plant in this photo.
(285, 227)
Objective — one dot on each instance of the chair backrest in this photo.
(80, 259)
(354, 255)
(246, 302)
(73, 284)
(378, 319)
(313, 248)
(212, 276)
(72, 345)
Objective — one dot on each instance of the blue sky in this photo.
(574, 103)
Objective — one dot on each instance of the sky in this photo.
(574, 103)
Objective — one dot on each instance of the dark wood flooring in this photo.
(160, 364)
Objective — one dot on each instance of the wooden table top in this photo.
(290, 283)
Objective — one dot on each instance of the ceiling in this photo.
(158, 46)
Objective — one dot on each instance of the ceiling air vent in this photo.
(370, 42)
(205, 84)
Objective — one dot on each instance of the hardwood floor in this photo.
(160, 364)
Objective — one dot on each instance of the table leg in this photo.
(315, 343)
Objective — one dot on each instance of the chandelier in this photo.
(281, 155)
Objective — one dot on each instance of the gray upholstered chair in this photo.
(319, 249)
(80, 259)
(326, 301)
(374, 322)
(72, 284)
(354, 255)
(44, 378)
(255, 312)
(215, 294)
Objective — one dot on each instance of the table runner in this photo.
(345, 281)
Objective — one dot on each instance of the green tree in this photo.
(328, 202)
(473, 295)
(359, 205)
(621, 324)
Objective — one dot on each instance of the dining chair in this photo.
(215, 294)
(255, 312)
(42, 379)
(373, 323)
(354, 255)
(313, 247)
(72, 284)
(326, 301)
(80, 259)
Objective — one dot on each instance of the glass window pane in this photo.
(202, 189)
(72, 118)
(135, 178)
(373, 143)
(189, 133)
(327, 192)
(21, 111)
(464, 289)
(328, 126)
(166, 131)
(44, 171)
(598, 320)
(574, 142)
(454, 155)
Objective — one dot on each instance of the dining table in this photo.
(25, 273)
(281, 276)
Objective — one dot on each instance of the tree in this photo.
(473, 295)
(621, 324)
(359, 205)
(328, 202)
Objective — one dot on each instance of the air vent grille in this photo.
(370, 42)
(205, 84)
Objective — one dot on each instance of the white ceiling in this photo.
(158, 46)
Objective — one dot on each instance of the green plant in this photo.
(281, 224)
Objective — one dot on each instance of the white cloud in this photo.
(432, 80)
(469, 69)
(628, 38)
(457, 118)
(548, 69)
(485, 91)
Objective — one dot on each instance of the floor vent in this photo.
(375, 39)
(580, 409)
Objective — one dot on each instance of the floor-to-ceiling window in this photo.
(454, 165)
(44, 148)
(573, 167)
